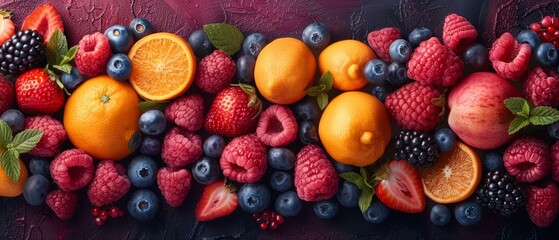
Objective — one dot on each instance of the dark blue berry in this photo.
(205, 170)
(445, 139)
(493, 161)
(467, 213)
(281, 181)
(553, 130)
(281, 158)
(15, 119)
(120, 38)
(253, 44)
(476, 56)
(200, 43)
(397, 74)
(213, 146)
(39, 165)
(288, 204)
(153, 122)
(326, 209)
(36, 189)
(380, 92)
(307, 110)
(141, 27)
(546, 55)
(529, 37)
(307, 132)
(316, 35)
(400, 50)
(376, 72)
(143, 205)
(419, 35)
(377, 212)
(119, 67)
(142, 171)
(151, 146)
(440, 215)
(348, 194)
(341, 168)
(72, 79)
(245, 69)
(254, 197)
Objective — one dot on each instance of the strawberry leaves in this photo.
(12, 147)
(525, 114)
(362, 181)
(59, 57)
(321, 90)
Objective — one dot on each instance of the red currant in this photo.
(104, 215)
(274, 225)
(546, 21)
(545, 36)
(535, 27)
(95, 211)
(551, 29)
(279, 219)
(114, 212)
(555, 22)
(98, 221)
(263, 226)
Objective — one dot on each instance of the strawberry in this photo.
(8, 95)
(401, 188)
(45, 19)
(218, 200)
(234, 112)
(7, 28)
(36, 93)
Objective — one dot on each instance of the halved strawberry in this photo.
(45, 19)
(401, 189)
(7, 28)
(218, 200)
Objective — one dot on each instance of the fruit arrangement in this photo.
(134, 118)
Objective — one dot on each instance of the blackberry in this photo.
(418, 148)
(501, 193)
(23, 51)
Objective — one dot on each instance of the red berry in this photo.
(96, 211)
(114, 212)
(98, 221)
(545, 36)
(535, 27)
(546, 21)
(551, 30)
(274, 225)
(555, 22)
(263, 226)
(279, 218)
(104, 215)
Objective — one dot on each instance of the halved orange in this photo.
(163, 66)
(454, 177)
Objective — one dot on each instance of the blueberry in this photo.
(397, 74)
(419, 35)
(376, 72)
(467, 213)
(281, 181)
(348, 195)
(245, 69)
(200, 43)
(493, 161)
(143, 205)
(253, 44)
(307, 132)
(553, 130)
(142, 171)
(15, 119)
(281, 158)
(141, 27)
(445, 139)
(440, 215)
(377, 212)
(254, 197)
(307, 109)
(205, 170)
(529, 37)
(36, 189)
(341, 168)
(120, 38)
(326, 209)
(153, 122)
(72, 79)
(476, 56)
(400, 50)
(213, 146)
(288, 204)
(316, 35)
(119, 67)
(39, 165)
(151, 146)
(380, 92)
(546, 55)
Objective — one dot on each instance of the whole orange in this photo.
(101, 118)
(9, 188)
(346, 60)
(284, 69)
(355, 129)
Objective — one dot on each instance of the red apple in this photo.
(478, 114)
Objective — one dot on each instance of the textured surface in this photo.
(274, 18)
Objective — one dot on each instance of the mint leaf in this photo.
(9, 159)
(525, 111)
(351, 177)
(56, 47)
(518, 123)
(363, 173)
(544, 115)
(516, 104)
(67, 68)
(69, 55)
(326, 79)
(225, 37)
(5, 134)
(149, 105)
(313, 91)
(365, 199)
(26, 140)
(322, 99)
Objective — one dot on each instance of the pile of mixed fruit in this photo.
(272, 126)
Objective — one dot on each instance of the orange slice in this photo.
(454, 177)
(163, 66)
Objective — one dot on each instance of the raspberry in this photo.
(62, 203)
(109, 185)
(53, 135)
(415, 107)
(93, 53)
(187, 112)
(277, 126)
(380, 41)
(542, 203)
(215, 71)
(510, 59)
(527, 159)
(7, 91)
(72, 169)
(555, 161)
(315, 177)
(244, 159)
(541, 87)
(458, 33)
(434, 64)
(174, 185)
(181, 147)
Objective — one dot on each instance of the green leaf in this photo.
(518, 123)
(225, 37)
(351, 177)
(326, 79)
(27, 140)
(313, 91)
(322, 99)
(56, 47)
(67, 68)
(363, 173)
(5, 134)
(69, 55)
(525, 112)
(544, 115)
(9, 159)
(149, 105)
(365, 199)
(515, 104)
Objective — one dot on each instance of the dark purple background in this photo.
(347, 19)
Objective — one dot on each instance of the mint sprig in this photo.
(59, 57)
(525, 114)
(12, 147)
(321, 90)
(365, 183)
(225, 37)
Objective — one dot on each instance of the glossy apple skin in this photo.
(478, 114)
